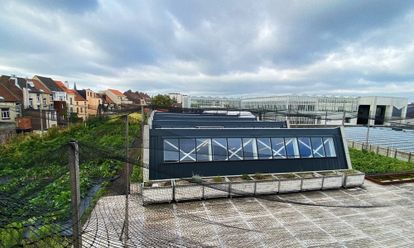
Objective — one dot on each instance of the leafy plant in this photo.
(218, 179)
(245, 177)
(369, 162)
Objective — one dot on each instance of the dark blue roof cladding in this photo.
(180, 120)
(217, 123)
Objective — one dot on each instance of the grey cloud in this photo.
(214, 47)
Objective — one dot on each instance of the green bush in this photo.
(369, 162)
(34, 170)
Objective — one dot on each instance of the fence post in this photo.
(126, 178)
(388, 151)
(409, 157)
(75, 193)
(395, 153)
(377, 149)
(353, 144)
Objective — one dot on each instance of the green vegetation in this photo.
(162, 101)
(218, 179)
(370, 162)
(34, 176)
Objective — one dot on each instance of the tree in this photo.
(162, 101)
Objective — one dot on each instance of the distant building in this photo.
(117, 97)
(70, 96)
(93, 101)
(81, 105)
(211, 102)
(30, 97)
(137, 97)
(337, 110)
(58, 100)
(10, 107)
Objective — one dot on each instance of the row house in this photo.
(59, 98)
(94, 101)
(33, 103)
(117, 97)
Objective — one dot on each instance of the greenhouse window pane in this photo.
(219, 146)
(264, 148)
(204, 150)
(305, 148)
(317, 146)
(329, 147)
(292, 150)
(278, 148)
(235, 148)
(187, 150)
(249, 148)
(171, 150)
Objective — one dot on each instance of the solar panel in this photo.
(402, 140)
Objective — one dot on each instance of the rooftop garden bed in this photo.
(372, 163)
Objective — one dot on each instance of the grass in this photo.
(369, 162)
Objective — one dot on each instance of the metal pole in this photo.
(75, 193)
(367, 138)
(343, 118)
(40, 116)
(126, 179)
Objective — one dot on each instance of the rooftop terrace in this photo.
(307, 220)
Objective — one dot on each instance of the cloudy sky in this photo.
(229, 48)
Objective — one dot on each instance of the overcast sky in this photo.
(229, 48)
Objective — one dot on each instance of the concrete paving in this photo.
(336, 218)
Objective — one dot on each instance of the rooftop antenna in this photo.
(74, 86)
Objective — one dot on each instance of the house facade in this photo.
(94, 102)
(117, 97)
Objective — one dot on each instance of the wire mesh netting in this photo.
(36, 211)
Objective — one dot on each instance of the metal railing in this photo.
(385, 151)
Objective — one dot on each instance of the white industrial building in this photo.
(330, 110)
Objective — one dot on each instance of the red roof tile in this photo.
(78, 97)
(38, 85)
(61, 85)
(6, 95)
(116, 92)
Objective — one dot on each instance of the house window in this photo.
(44, 102)
(292, 150)
(264, 148)
(204, 152)
(171, 150)
(187, 150)
(5, 114)
(31, 102)
(223, 149)
(219, 146)
(278, 148)
(235, 148)
(305, 148)
(70, 100)
(317, 147)
(329, 147)
(249, 148)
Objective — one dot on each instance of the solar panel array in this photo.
(384, 137)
